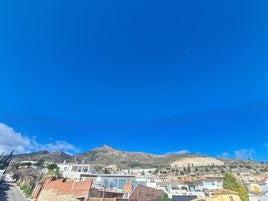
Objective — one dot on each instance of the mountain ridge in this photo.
(106, 156)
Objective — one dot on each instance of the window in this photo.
(85, 170)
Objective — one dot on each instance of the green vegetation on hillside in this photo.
(231, 183)
(27, 190)
(163, 198)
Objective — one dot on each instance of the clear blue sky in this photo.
(152, 76)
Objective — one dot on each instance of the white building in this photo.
(74, 171)
(209, 185)
(180, 190)
(139, 171)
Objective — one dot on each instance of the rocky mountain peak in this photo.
(107, 155)
(58, 153)
(43, 152)
(105, 148)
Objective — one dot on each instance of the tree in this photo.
(15, 177)
(231, 183)
(106, 171)
(163, 198)
(185, 170)
(40, 162)
(52, 166)
(188, 169)
(53, 170)
(5, 159)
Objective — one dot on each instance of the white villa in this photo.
(74, 171)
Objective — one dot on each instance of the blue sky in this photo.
(150, 76)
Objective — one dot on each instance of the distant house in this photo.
(116, 181)
(61, 190)
(74, 171)
(259, 195)
(179, 192)
(208, 185)
(224, 195)
(221, 195)
(141, 172)
(71, 190)
(263, 196)
(145, 193)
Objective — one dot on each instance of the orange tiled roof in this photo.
(224, 192)
(167, 183)
(69, 187)
(207, 179)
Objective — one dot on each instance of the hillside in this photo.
(53, 157)
(197, 161)
(107, 156)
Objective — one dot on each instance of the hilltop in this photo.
(53, 157)
(173, 165)
(107, 156)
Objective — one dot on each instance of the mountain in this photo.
(107, 156)
(54, 157)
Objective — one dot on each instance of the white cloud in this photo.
(60, 145)
(244, 153)
(184, 151)
(12, 140)
(224, 155)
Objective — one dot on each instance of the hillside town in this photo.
(193, 178)
(134, 100)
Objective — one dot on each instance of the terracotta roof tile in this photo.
(69, 187)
